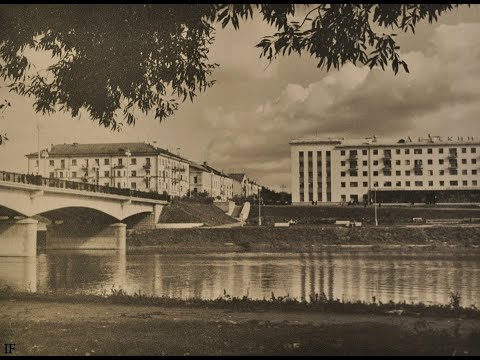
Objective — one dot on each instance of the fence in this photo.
(73, 185)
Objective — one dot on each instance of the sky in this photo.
(244, 123)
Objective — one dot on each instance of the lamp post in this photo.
(376, 217)
(128, 153)
(259, 209)
(38, 145)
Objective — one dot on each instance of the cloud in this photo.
(439, 96)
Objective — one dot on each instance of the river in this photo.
(347, 275)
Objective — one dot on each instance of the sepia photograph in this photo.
(239, 179)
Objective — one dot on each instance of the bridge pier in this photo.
(18, 237)
(86, 236)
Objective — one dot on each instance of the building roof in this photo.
(237, 176)
(406, 141)
(107, 149)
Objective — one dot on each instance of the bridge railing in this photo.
(73, 185)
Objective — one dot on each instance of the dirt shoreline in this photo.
(307, 239)
(58, 328)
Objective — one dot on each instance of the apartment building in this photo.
(204, 178)
(140, 166)
(431, 169)
(243, 186)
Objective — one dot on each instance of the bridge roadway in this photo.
(79, 215)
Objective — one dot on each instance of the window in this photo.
(61, 174)
(133, 161)
(52, 162)
(52, 175)
(474, 172)
(453, 182)
(397, 151)
(134, 185)
(342, 184)
(474, 161)
(474, 182)
(407, 183)
(375, 184)
(342, 152)
(440, 150)
(442, 183)
(407, 173)
(464, 161)
(387, 173)
(375, 173)
(195, 180)
(147, 160)
(106, 184)
(398, 173)
(354, 184)
(62, 164)
(97, 161)
(364, 152)
(429, 151)
(342, 174)
(134, 173)
(473, 150)
(464, 172)
(430, 162)
(106, 173)
(398, 162)
(387, 184)
(418, 183)
(342, 163)
(464, 150)
(354, 173)
(365, 184)
(407, 162)
(407, 151)
(365, 163)
(465, 183)
(417, 151)
(441, 161)
(74, 174)
(119, 173)
(430, 183)
(398, 183)
(74, 162)
(365, 173)
(375, 152)
(430, 172)
(106, 161)
(375, 162)
(120, 161)
(119, 185)
(344, 197)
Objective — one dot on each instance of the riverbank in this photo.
(305, 238)
(48, 324)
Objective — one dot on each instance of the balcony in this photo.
(387, 168)
(452, 155)
(452, 165)
(353, 168)
(352, 157)
(118, 166)
(387, 156)
(147, 166)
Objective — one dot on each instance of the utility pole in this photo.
(376, 218)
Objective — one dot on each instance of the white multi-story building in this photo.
(139, 166)
(432, 169)
(204, 178)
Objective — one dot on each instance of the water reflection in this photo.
(348, 276)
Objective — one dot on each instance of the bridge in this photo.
(79, 215)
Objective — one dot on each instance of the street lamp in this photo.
(376, 217)
(128, 153)
(259, 208)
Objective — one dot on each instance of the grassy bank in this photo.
(315, 215)
(300, 238)
(190, 212)
(135, 325)
(314, 303)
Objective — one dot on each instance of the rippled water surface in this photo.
(343, 275)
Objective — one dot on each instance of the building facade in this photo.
(432, 169)
(140, 166)
(243, 186)
(204, 178)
